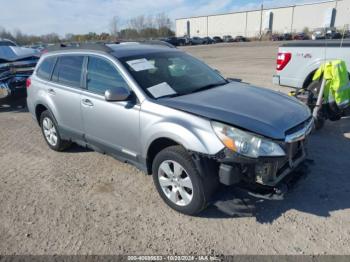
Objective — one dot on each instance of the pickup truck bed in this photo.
(298, 60)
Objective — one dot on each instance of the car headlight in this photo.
(246, 143)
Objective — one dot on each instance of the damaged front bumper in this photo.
(268, 171)
(265, 177)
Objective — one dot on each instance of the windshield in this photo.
(167, 74)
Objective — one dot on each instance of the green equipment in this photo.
(329, 95)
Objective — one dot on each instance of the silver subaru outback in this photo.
(170, 115)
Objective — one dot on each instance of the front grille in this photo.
(298, 127)
(294, 152)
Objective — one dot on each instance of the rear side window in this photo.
(68, 70)
(102, 76)
(45, 69)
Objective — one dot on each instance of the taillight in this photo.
(28, 82)
(282, 60)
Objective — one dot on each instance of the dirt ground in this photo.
(82, 202)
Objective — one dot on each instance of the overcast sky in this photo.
(82, 16)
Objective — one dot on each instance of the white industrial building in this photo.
(288, 19)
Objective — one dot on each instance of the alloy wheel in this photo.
(175, 183)
(50, 131)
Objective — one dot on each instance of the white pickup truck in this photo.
(297, 61)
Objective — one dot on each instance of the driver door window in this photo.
(102, 76)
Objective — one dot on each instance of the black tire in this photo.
(202, 188)
(314, 87)
(61, 144)
(319, 123)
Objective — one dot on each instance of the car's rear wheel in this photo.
(178, 181)
(51, 133)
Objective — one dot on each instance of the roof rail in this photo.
(157, 42)
(80, 46)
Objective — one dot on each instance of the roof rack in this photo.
(105, 47)
(80, 46)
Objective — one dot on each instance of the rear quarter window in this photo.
(68, 70)
(45, 68)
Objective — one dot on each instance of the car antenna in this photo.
(346, 28)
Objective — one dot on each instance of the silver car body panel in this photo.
(193, 132)
(127, 129)
(121, 127)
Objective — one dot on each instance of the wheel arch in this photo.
(39, 109)
(155, 147)
(308, 79)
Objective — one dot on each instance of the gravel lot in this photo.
(82, 202)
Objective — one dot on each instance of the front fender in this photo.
(192, 132)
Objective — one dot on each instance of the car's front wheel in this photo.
(178, 181)
(51, 133)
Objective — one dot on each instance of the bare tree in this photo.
(138, 23)
(150, 23)
(162, 21)
(114, 26)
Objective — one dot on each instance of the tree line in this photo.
(137, 28)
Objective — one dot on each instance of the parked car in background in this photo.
(175, 41)
(196, 41)
(346, 34)
(287, 37)
(326, 33)
(153, 107)
(240, 38)
(16, 65)
(39, 47)
(217, 39)
(228, 38)
(276, 37)
(208, 40)
(318, 34)
(301, 36)
(7, 42)
(282, 37)
(332, 33)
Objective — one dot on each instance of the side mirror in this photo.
(117, 94)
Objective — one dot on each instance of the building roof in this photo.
(255, 10)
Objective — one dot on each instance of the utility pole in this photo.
(292, 24)
(207, 25)
(261, 17)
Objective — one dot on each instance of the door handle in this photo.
(51, 91)
(87, 102)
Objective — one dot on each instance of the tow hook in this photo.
(278, 192)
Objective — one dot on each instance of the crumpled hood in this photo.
(13, 53)
(258, 110)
